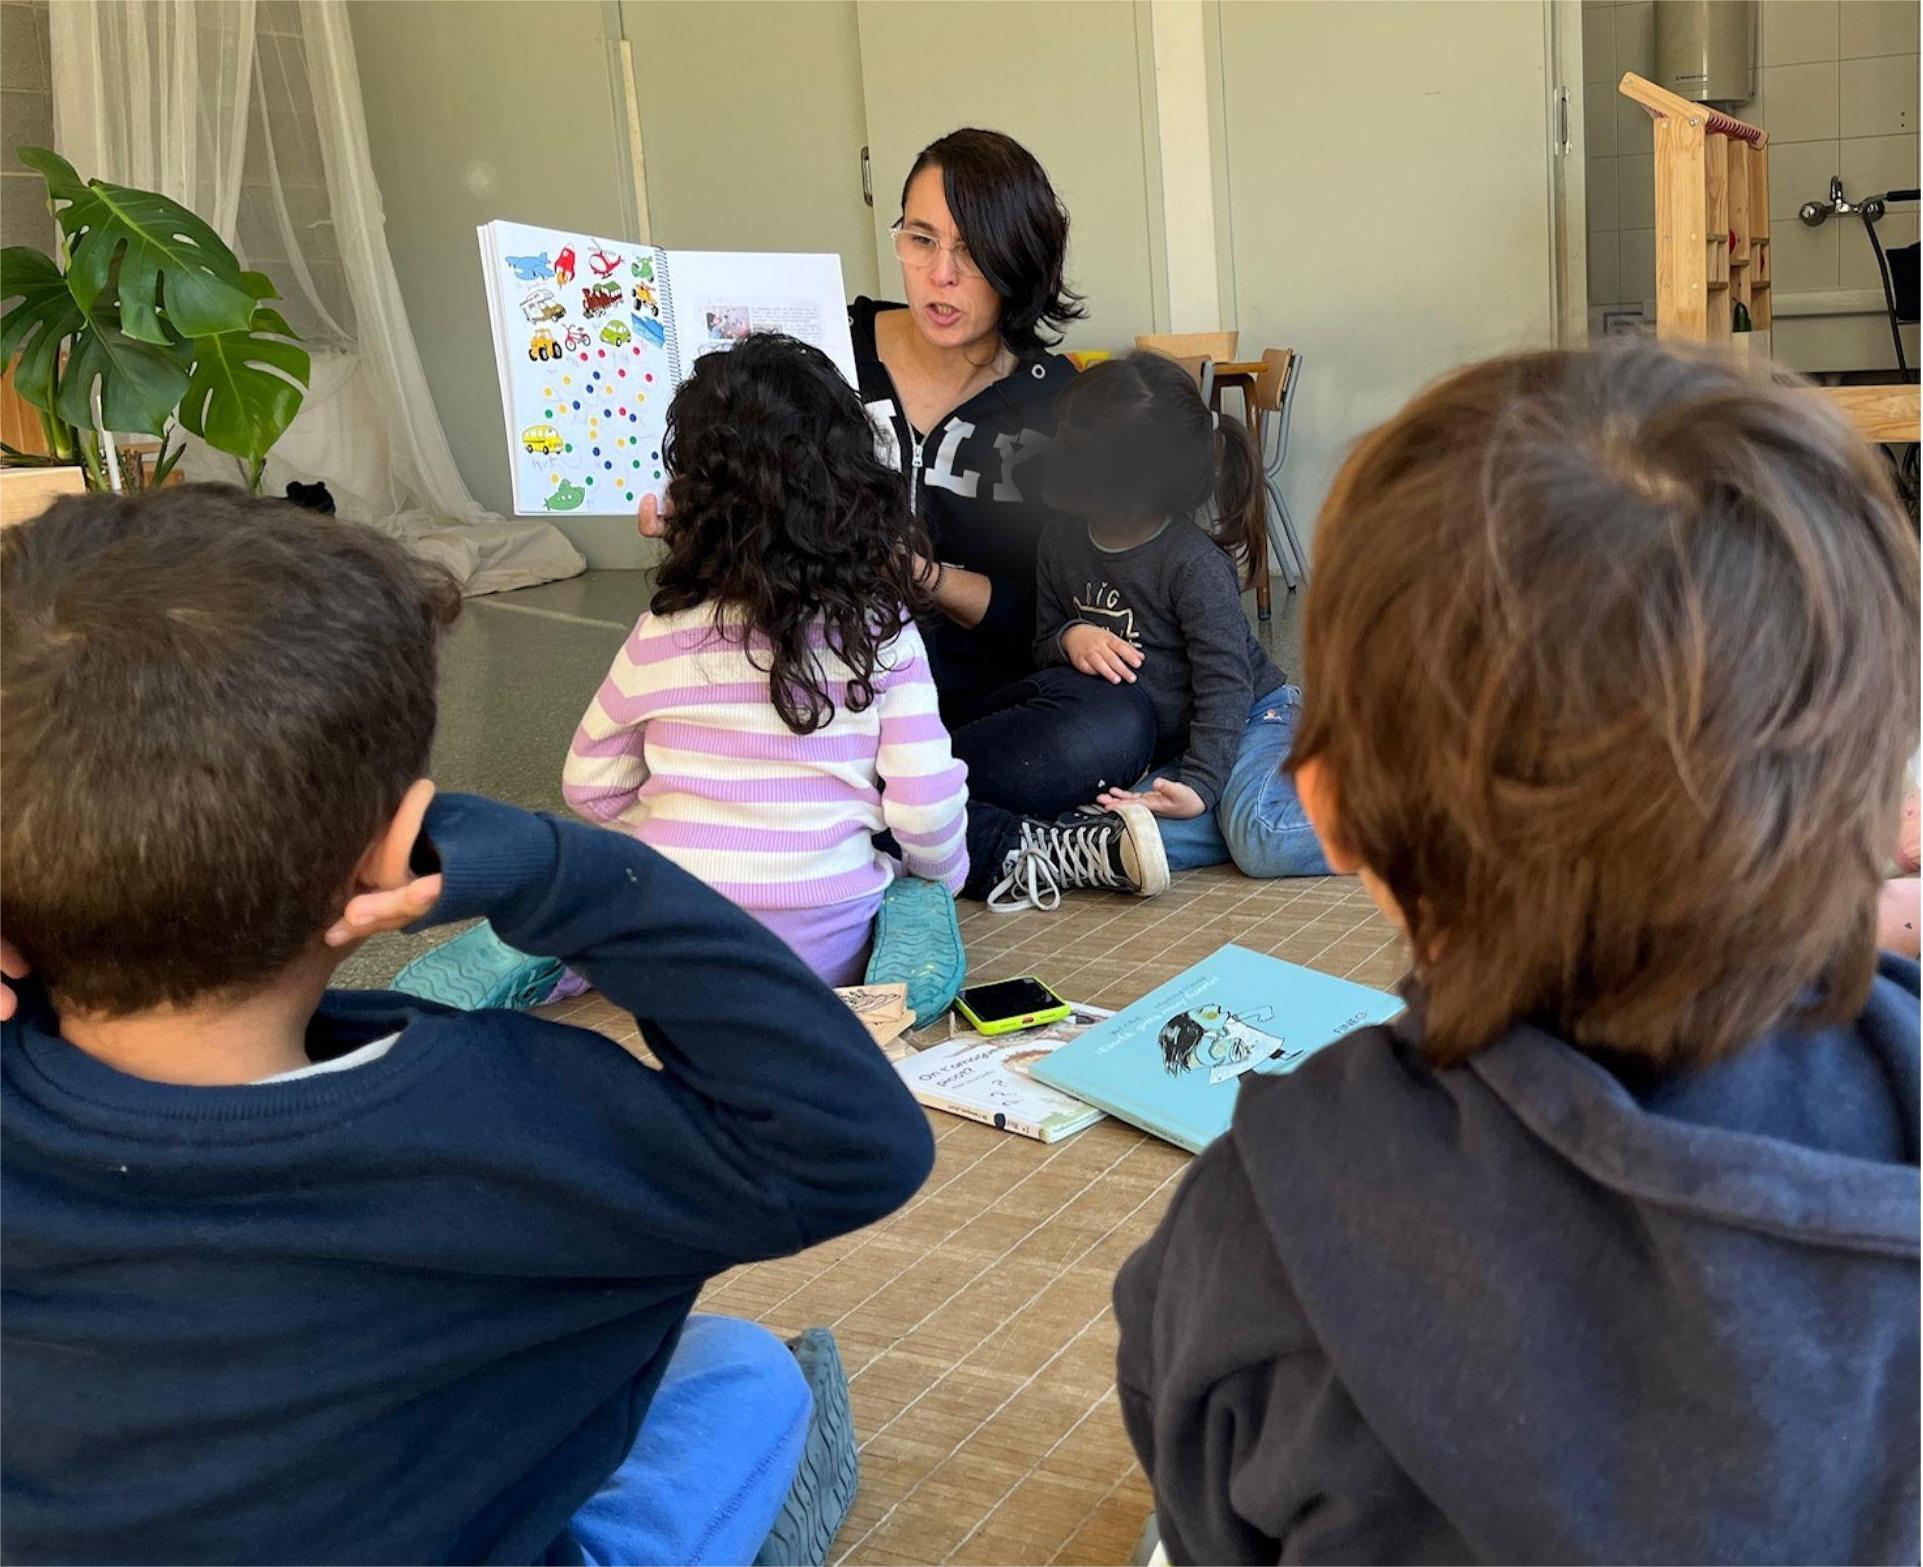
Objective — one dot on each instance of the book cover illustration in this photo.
(1172, 1062)
(593, 335)
(990, 1080)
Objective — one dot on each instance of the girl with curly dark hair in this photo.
(772, 711)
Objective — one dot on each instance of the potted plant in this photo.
(142, 321)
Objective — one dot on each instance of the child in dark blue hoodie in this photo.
(293, 1274)
(1607, 1249)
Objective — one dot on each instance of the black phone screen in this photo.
(1009, 998)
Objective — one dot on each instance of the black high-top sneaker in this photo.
(1107, 851)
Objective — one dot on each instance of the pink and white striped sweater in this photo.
(683, 748)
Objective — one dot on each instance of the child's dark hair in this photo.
(210, 704)
(1015, 228)
(1135, 440)
(1611, 659)
(782, 516)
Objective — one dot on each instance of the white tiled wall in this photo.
(1837, 91)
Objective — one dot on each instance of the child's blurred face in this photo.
(952, 304)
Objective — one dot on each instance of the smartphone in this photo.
(1010, 1005)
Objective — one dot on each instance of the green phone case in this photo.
(1014, 1025)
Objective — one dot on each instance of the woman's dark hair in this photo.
(1014, 225)
(1180, 1038)
(781, 513)
(1134, 439)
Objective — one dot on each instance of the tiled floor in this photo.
(975, 1322)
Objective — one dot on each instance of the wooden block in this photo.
(26, 492)
(1881, 413)
(1682, 280)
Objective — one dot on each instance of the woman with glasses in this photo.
(962, 377)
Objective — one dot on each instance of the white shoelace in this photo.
(1033, 876)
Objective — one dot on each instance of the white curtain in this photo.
(249, 111)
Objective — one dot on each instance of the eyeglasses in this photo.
(919, 251)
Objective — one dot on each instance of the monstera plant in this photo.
(143, 320)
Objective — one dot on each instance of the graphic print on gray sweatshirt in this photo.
(1176, 598)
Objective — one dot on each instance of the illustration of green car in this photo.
(616, 334)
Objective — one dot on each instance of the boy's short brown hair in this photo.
(209, 706)
(1612, 660)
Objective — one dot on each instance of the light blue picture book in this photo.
(1172, 1062)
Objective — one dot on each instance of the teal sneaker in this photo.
(918, 944)
(477, 970)
(824, 1488)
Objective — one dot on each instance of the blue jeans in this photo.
(714, 1458)
(1259, 822)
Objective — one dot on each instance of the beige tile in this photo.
(1638, 265)
(1599, 46)
(1636, 196)
(1879, 96)
(1796, 32)
(1873, 27)
(1636, 38)
(1799, 172)
(1857, 262)
(1800, 102)
(1872, 164)
(1804, 258)
(1599, 120)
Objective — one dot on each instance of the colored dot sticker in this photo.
(655, 455)
(568, 380)
(621, 373)
(554, 478)
(657, 473)
(584, 359)
(619, 442)
(590, 478)
(632, 418)
(630, 494)
(568, 447)
(608, 465)
(649, 377)
(597, 451)
(549, 412)
(636, 463)
(547, 391)
(601, 353)
(607, 413)
(577, 404)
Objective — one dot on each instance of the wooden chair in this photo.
(1190, 345)
(1274, 401)
(1201, 371)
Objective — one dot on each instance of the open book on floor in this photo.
(1171, 1063)
(592, 336)
(992, 1080)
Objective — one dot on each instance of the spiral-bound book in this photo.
(592, 336)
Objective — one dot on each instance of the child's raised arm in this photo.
(924, 797)
(605, 768)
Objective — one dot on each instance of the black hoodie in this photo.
(1532, 1309)
(966, 478)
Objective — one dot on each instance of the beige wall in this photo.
(1063, 78)
(26, 119)
(753, 123)
(1392, 222)
(1837, 91)
(457, 98)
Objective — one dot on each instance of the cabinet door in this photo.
(1063, 77)
(752, 126)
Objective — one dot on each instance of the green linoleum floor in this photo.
(516, 674)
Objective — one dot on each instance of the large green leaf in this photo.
(150, 251)
(140, 383)
(44, 318)
(247, 385)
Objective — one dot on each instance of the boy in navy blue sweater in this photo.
(298, 1274)
(1606, 1249)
